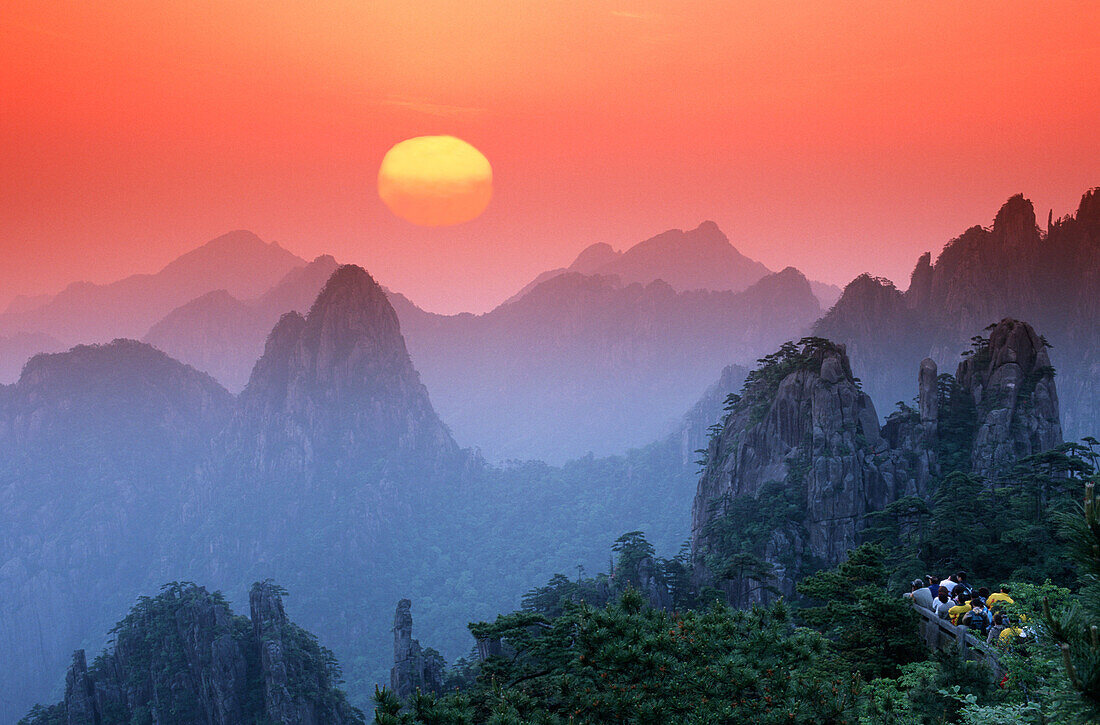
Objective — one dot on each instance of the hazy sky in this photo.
(839, 137)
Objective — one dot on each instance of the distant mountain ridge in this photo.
(585, 363)
(224, 335)
(238, 262)
(553, 394)
(698, 259)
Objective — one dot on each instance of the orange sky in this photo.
(840, 137)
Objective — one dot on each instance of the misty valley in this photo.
(661, 485)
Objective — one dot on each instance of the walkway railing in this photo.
(940, 634)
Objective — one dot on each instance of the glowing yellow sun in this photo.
(435, 181)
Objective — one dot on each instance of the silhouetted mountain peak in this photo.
(1088, 211)
(593, 257)
(920, 282)
(337, 385)
(706, 238)
(1016, 216)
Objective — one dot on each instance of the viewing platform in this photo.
(940, 634)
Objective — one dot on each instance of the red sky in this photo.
(840, 137)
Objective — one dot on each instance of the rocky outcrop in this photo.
(1012, 269)
(804, 440)
(802, 422)
(183, 657)
(414, 669)
(224, 336)
(336, 393)
(80, 693)
(694, 430)
(1011, 381)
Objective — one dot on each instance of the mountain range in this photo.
(238, 262)
(1049, 276)
(122, 468)
(700, 258)
(598, 358)
(333, 473)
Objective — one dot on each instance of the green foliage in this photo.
(956, 427)
(629, 663)
(874, 631)
(632, 548)
(157, 669)
(762, 383)
(899, 529)
(1007, 528)
(738, 535)
(1077, 627)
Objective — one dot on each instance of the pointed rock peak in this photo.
(710, 229)
(593, 257)
(351, 284)
(265, 604)
(352, 311)
(1088, 211)
(1017, 216)
(868, 284)
(285, 334)
(1015, 341)
(925, 262)
(920, 282)
(1010, 342)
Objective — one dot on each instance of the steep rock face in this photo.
(802, 422)
(414, 669)
(1050, 277)
(805, 439)
(224, 336)
(184, 657)
(96, 445)
(335, 391)
(697, 422)
(1012, 383)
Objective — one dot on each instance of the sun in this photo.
(435, 181)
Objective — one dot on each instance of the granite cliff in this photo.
(414, 669)
(183, 657)
(1049, 276)
(800, 460)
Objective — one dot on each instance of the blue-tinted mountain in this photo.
(585, 363)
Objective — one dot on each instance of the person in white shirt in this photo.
(942, 604)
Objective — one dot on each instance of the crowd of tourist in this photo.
(977, 609)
